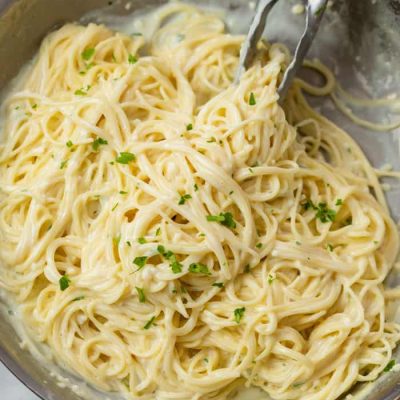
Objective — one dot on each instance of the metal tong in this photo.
(314, 12)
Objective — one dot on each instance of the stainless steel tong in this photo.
(314, 12)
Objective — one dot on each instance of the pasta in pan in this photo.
(170, 235)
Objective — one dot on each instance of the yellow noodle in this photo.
(300, 237)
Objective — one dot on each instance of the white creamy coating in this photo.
(171, 236)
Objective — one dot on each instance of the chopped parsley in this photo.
(129, 243)
(64, 282)
(115, 206)
(218, 284)
(323, 213)
(238, 314)
(271, 278)
(339, 202)
(87, 54)
(136, 34)
(123, 192)
(142, 297)
(158, 231)
(252, 99)
(199, 268)
(63, 164)
(98, 142)
(175, 265)
(132, 59)
(142, 240)
(82, 91)
(34, 106)
(329, 247)
(125, 157)
(140, 261)
(69, 144)
(225, 219)
(183, 199)
(189, 127)
(389, 366)
(259, 245)
(78, 298)
(196, 188)
(211, 140)
(149, 323)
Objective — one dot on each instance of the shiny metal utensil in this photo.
(315, 10)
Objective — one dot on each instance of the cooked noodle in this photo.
(172, 236)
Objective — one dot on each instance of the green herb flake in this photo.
(158, 231)
(211, 140)
(132, 59)
(149, 323)
(218, 284)
(176, 267)
(389, 366)
(189, 127)
(296, 385)
(129, 243)
(183, 199)
(199, 268)
(69, 144)
(82, 91)
(78, 298)
(98, 142)
(136, 34)
(238, 314)
(63, 164)
(259, 245)
(87, 54)
(323, 213)
(271, 278)
(298, 243)
(142, 240)
(115, 206)
(125, 158)
(34, 106)
(225, 219)
(64, 282)
(329, 247)
(123, 192)
(140, 261)
(339, 202)
(142, 297)
(196, 188)
(252, 99)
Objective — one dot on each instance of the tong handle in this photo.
(249, 46)
(315, 10)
